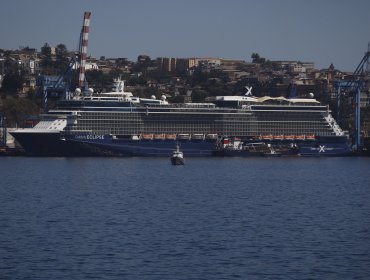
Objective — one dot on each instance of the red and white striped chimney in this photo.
(83, 48)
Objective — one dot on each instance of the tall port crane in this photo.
(354, 86)
(63, 82)
(84, 38)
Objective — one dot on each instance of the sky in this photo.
(319, 31)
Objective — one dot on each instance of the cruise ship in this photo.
(118, 124)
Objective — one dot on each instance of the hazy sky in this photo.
(319, 31)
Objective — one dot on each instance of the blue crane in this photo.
(58, 83)
(354, 86)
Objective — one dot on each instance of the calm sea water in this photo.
(232, 218)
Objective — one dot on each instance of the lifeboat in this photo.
(170, 136)
(183, 136)
(289, 137)
(147, 136)
(300, 137)
(310, 137)
(267, 137)
(197, 136)
(279, 137)
(159, 136)
(211, 136)
(136, 137)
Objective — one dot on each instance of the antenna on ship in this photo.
(84, 38)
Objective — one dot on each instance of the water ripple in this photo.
(100, 218)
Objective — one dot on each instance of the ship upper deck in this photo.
(220, 105)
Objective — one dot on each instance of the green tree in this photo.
(199, 96)
(198, 78)
(12, 83)
(177, 99)
(62, 58)
(17, 109)
(98, 80)
(134, 81)
(46, 59)
(257, 59)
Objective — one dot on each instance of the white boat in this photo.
(177, 157)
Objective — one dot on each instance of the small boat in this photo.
(271, 152)
(177, 157)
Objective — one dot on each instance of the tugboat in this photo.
(177, 156)
(272, 152)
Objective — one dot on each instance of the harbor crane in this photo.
(353, 88)
(63, 82)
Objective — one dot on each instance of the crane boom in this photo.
(84, 38)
